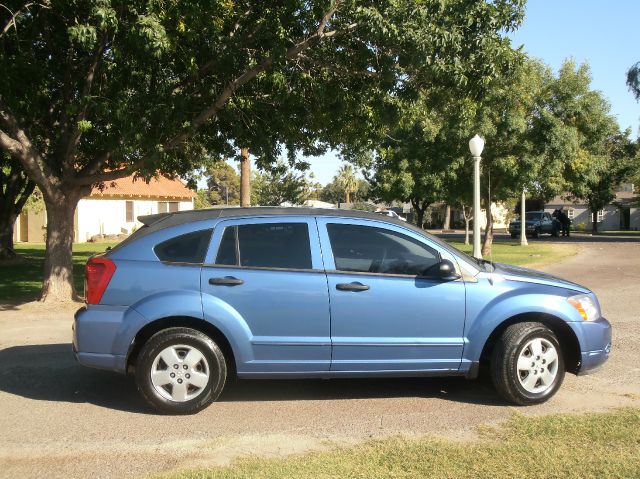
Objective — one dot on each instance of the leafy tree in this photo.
(202, 200)
(333, 192)
(611, 170)
(633, 80)
(279, 185)
(15, 190)
(223, 184)
(347, 182)
(116, 88)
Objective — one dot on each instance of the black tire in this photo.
(514, 235)
(536, 233)
(215, 364)
(504, 359)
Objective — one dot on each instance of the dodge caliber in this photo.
(194, 298)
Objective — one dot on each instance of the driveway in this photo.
(58, 419)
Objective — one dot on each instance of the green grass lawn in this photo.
(557, 446)
(535, 253)
(21, 280)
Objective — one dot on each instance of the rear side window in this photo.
(266, 245)
(187, 248)
(368, 249)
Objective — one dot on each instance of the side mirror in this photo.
(444, 270)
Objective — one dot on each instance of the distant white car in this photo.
(391, 214)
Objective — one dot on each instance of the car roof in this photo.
(165, 220)
(160, 221)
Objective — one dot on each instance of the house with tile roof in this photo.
(112, 210)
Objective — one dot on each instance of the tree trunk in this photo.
(488, 233)
(594, 222)
(420, 208)
(347, 197)
(245, 178)
(58, 263)
(7, 222)
(447, 218)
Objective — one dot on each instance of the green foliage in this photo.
(223, 184)
(202, 200)
(133, 84)
(334, 193)
(347, 182)
(633, 80)
(279, 185)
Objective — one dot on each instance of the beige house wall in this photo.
(94, 216)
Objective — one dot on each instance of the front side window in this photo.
(266, 245)
(188, 248)
(368, 249)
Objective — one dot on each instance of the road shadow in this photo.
(457, 389)
(49, 372)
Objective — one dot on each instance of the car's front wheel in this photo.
(180, 371)
(527, 366)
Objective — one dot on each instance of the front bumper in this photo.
(595, 343)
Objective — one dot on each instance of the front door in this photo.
(385, 314)
(269, 272)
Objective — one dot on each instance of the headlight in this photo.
(585, 306)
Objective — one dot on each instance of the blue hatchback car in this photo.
(192, 298)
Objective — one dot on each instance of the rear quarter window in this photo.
(187, 248)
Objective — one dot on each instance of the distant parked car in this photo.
(537, 223)
(194, 298)
(391, 214)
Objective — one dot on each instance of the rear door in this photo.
(269, 270)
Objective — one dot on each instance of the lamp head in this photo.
(476, 145)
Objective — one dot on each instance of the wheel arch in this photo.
(567, 338)
(205, 327)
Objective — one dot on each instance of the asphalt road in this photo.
(58, 419)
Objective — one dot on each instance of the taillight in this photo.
(97, 274)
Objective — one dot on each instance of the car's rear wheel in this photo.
(536, 232)
(527, 366)
(180, 371)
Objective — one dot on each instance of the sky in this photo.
(603, 33)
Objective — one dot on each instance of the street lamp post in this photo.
(523, 224)
(476, 145)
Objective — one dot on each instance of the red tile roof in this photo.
(160, 187)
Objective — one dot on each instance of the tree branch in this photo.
(16, 142)
(85, 180)
(12, 20)
(76, 133)
(251, 73)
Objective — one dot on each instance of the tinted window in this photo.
(188, 248)
(227, 252)
(266, 245)
(377, 250)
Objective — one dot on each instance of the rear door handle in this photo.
(355, 286)
(226, 281)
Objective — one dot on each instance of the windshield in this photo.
(533, 216)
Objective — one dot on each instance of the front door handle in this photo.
(355, 286)
(226, 281)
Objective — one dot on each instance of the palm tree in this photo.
(347, 181)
